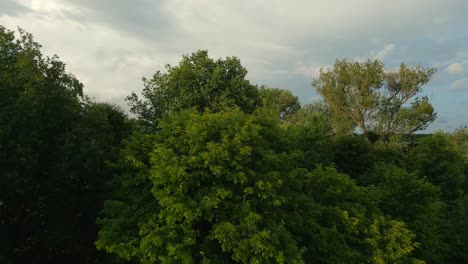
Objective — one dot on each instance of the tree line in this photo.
(213, 169)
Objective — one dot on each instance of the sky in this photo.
(110, 45)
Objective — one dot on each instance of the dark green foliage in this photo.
(352, 155)
(441, 161)
(417, 202)
(311, 144)
(39, 104)
(460, 138)
(340, 222)
(457, 233)
(54, 149)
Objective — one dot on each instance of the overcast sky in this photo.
(111, 44)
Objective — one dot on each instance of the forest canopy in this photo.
(211, 168)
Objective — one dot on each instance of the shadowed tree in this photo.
(54, 151)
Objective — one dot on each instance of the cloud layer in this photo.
(110, 45)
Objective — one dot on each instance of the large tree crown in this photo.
(376, 100)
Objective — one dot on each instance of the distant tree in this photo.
(197, 81)
(460, 138)
(281, 100)
(39, 103)
(317, 115)
(311, 142)
(377, 101)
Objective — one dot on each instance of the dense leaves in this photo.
(283, 101)
(214, 169)
(54, 149)
(198, 81)
(222, 190)
(441, 161)
(215, 185)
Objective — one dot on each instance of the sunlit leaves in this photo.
(375, 100)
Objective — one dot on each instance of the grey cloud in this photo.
(144, 19)
(11, 8)
(282, 45)
(314, 31)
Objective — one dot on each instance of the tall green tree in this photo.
(283, 101)
(216, 192)
(319, 113)
(197, 81)
(54, 147)
(39, 104)
(377, 101)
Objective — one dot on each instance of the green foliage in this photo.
(216, 170)
(440, 160)
(315, 115)
(457, 233)
(132, 199)
(311, 143)
(227, 187)
(353, 156)
(415, 201)
(377, 101)
(198, 81)
(283, 101)
(344, 223)
(54, 147)
(216, 185)
(460, 138)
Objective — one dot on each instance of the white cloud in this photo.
(460, 84)
(109, 63)
(455, 68)
(308, 71)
